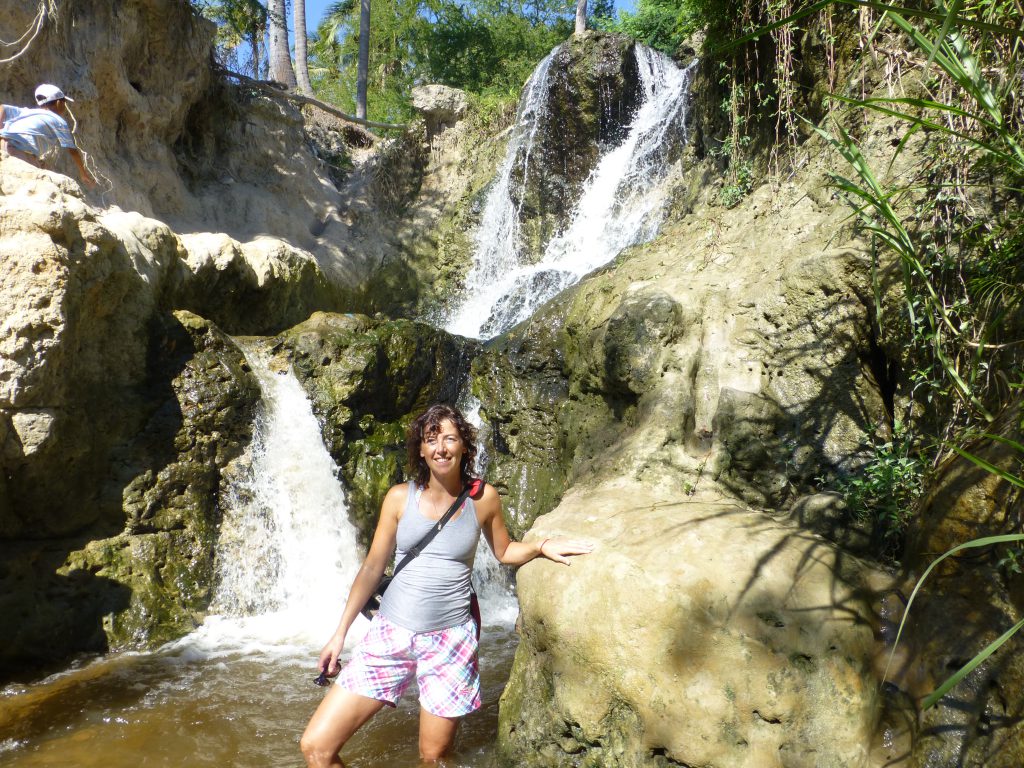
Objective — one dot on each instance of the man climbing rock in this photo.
(29, 134)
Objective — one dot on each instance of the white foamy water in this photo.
(493, 581)
(622, 204)
(287, 552)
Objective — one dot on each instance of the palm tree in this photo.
(280, 59)
(363, 67)
(301, 57)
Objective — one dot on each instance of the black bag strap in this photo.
(436, 528)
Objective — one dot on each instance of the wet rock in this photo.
(593, 93)
(520, 381)
(150, 582)
(367, 379)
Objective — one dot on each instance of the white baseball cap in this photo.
(46, 93)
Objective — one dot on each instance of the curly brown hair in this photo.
(429, 423)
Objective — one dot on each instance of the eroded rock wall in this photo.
(111, 425)
(688, 403)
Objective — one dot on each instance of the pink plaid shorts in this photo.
(444, 663)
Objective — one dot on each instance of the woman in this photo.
(424, 628)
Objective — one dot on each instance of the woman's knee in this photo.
(437, 736)
(431, 753)
(317, 753)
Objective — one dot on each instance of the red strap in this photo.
(475, 486)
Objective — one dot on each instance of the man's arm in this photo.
(83, 172)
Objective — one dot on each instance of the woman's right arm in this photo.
(382, 549)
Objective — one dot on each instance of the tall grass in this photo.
(961, 270)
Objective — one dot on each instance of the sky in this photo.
(315, 10)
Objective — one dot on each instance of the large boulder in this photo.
(79, 288)
(683, 402)
(440, 105)
(695, 634)
(151, 580)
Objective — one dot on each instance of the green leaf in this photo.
(986, 541)
(932, 698)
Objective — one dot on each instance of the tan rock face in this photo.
(77, 299)
(80, 287)
(701, 632)
(170, 139)
(713, 376)
(109, 422)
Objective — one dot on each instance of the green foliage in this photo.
(952, 226)
(483, 47)
(239, 23)
(933, 698)
(961, 284)
(884, 494)
(484, 52)
(661, 24)
(740, 179)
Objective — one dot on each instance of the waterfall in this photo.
(493, 582)
(622, 204)
(287, 553)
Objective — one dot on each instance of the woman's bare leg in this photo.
(339, 715)
(437, 734)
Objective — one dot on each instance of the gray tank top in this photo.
(432, 592)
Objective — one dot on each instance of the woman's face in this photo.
(443, 450)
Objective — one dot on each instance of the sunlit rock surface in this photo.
(706, 384)
(700, 633)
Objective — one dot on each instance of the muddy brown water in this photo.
(180, 707)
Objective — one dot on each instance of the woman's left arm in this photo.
(511, 552)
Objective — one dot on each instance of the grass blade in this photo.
(986, 541)
(933, 698)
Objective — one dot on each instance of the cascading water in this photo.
(239, 690)
(622, 204)
(492, 582)
(286, 551)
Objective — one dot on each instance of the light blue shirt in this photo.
(35, 131)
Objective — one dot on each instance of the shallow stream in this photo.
(187, 706)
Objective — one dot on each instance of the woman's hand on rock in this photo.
(560, 550)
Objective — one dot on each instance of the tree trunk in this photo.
(581, 16)
(280, 60)
(301, 59)
(364, 58)
(256, 47)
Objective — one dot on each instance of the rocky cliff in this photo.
(683, 407)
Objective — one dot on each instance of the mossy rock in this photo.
(520, 382)
(171, 476)
(593, 94)
(367, 379)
